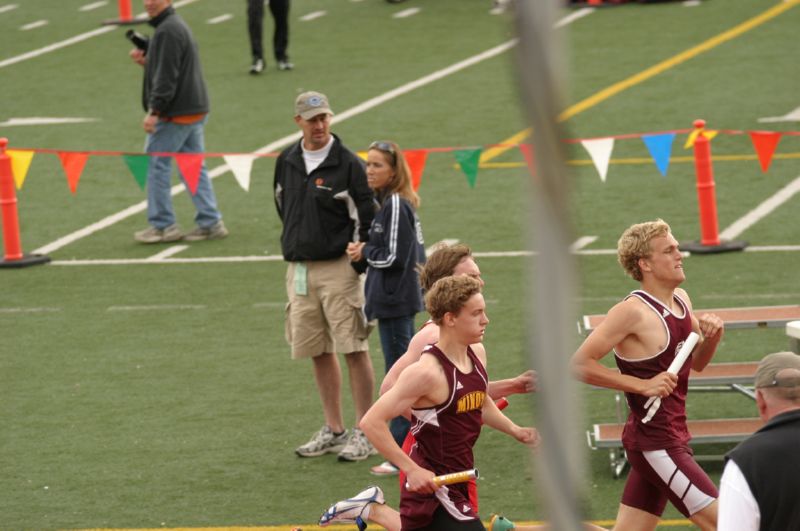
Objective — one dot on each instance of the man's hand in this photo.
(662, 384)
(138, 56)
(526, 382)
(354, 251)
(711, 326)
(528, 436)
(149, 123)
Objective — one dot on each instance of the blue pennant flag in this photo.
(660, 147)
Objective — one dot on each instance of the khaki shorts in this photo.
(330, 317)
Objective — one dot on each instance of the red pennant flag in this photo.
(527, 152)
(190, 165)
(765, 143)
(416, 163)
(73, 164)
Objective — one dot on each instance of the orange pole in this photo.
(706, 194)
(125, 10)
(8, 205)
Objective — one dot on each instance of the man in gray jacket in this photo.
(175, 98)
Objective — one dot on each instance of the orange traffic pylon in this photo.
(8, 205)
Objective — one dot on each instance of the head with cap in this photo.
(312, 113)
(777, 384)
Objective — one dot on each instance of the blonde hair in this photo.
(401, 184)
(449, 295)
(442, 263)
(634, 244)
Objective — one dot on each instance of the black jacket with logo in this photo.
(324, 211)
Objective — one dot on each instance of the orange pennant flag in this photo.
(765, 143)
(20, 163)
(416, 163)
(190, 165)
(73, 163)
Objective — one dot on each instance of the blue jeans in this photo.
(396, 333)
(170, 137)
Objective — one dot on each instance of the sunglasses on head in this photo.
(383, 146)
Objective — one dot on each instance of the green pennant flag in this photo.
(468, 159)
(138, 165)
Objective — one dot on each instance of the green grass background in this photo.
(188, 415)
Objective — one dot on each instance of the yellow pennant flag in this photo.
(20, 162)
(693, 136)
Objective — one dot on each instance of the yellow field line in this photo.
(651, 72)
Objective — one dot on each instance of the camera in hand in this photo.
(138, 40)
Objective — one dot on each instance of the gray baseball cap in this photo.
(772, 364)
(310, 104)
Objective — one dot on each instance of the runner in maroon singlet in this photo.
(645, 331)
(446, 390)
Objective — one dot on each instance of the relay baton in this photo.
(654, 402)
(455, 477)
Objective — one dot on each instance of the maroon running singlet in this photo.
(662, 467)
(445, 435)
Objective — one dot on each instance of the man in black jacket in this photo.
(175, 98)
(324, 202)
(761, 481)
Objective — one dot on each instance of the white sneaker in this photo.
(357, 448)
(323, 442)
(351, 510)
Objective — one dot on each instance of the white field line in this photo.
(168, 252)
(151, 307)
(313, 15)
(93, 5)
(761, 211)
(34, 25)
(39, 120)
(572, 17)
(72, 40)
(582, 242)
(288, 139)
(29, 310)
(410, 12)
(279, 258)
(8, 7)
(219, 19)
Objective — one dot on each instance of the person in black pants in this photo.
(280, 38)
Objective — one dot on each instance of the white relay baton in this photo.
(654, 402)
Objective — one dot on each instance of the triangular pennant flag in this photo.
(527, 152)
(241, 166)
(362, 154)
(600, 152)
(138, 165)
(20, 162)
(765, 143)
(707, 133)
(469, 159)
(660, 147)
(73, 163)
(190, 164)
(416, 163)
